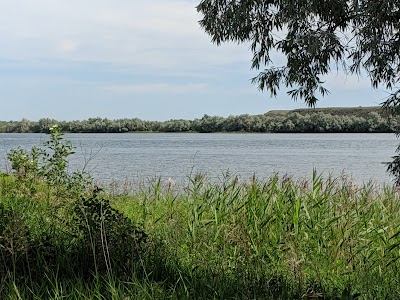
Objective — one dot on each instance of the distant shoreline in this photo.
(311, 120)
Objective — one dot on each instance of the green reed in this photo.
(278, 238)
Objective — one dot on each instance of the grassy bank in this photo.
(63, 237)
(274, 239)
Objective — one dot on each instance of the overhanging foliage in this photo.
(314, 36)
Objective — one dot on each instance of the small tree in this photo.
(49, 163)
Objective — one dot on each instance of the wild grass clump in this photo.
(44, 245)
(278, 238)
(272, 239)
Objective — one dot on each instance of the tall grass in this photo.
(277, 238)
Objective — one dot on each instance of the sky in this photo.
(73, 60)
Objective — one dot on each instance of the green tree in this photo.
(24, 125)
(44, 124)
(315, 36)
(208, 124)
(49, 163)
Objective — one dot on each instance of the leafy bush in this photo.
(107, 240)
(44, 240)
(50, 163)
(95, 236)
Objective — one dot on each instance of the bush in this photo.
(49, 164)
(106, 239)
(85, 235)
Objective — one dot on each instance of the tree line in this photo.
(292, 122)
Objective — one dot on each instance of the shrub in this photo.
(106, 239)
(50, 163)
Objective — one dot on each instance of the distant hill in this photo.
(335, 111)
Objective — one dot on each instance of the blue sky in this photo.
(73, 59)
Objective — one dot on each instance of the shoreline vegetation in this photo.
(62, 237)
(333, 120)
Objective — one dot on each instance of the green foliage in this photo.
(393, 167)
(106, 239)
(356, 36)
(14, 240)
(370, 119)
(23, 240)
(25, 163)
(313, 36)
(278, 238)
(316, 238)
(54, 168)
(49, 163)
(43, 238)
(272, 239)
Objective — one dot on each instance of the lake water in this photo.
(125, 157)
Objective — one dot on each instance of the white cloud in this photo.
(72, 49)
(157, 88)
(155, 33)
